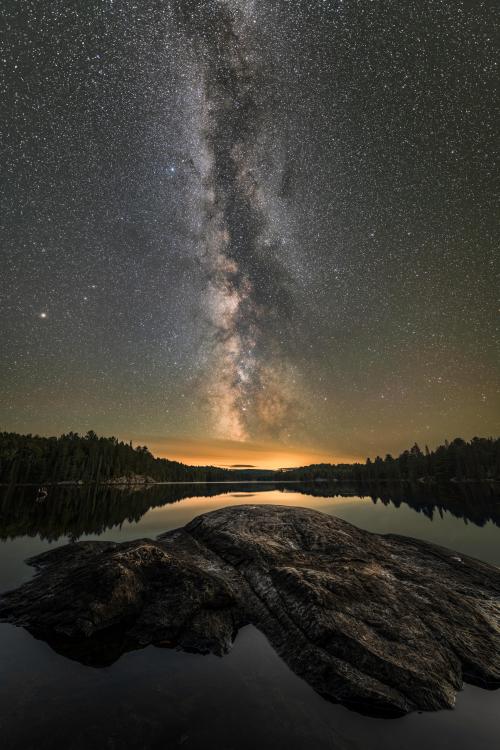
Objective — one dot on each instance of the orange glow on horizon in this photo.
(238, 454)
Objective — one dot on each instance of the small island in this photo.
(383, 624)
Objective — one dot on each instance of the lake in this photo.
(160, 698)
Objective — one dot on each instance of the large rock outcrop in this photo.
(383, 624)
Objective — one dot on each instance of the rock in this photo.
(129, 479)
(382, 624)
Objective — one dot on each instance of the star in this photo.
(282, 211)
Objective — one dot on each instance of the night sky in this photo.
(250, 231)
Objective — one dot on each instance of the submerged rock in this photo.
(383, 624)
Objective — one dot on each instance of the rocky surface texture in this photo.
(383, 624)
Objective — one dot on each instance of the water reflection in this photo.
(162, 698)
(73, 512)
(158, 698)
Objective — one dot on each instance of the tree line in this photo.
(458, 460)
(89, 458)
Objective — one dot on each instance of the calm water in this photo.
(156, 698)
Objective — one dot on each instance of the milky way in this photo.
(247, 383)
(254, 221)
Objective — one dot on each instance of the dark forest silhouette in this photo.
(89, 458)
(476, 460)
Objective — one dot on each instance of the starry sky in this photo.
(250, 231)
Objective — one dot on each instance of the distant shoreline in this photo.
(136, 483)
(72, 459)
(155, 484)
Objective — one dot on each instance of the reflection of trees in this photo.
(92, 509)
(477, 503)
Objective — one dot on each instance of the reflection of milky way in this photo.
(248, 383)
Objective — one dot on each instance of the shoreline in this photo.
(357, 482)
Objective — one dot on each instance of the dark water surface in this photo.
(159, 698)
